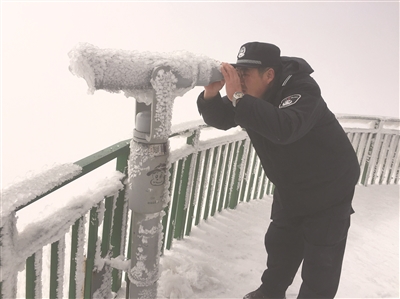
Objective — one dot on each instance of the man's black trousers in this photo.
(318, 240)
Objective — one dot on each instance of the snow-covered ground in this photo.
(224, 256)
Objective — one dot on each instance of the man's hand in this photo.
(232, 79)
(211, 90)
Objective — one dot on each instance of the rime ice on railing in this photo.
(376, 141)
(21, 193)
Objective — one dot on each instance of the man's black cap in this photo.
(256, 54)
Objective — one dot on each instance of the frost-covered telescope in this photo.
(129, 71)
(137, 74)
(154, 80)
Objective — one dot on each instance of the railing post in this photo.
(57, 269)
(376, 147)
(238, 164)
(77, 236)
(193, 140)
(8, 276)
(33, 285)
(118, 233)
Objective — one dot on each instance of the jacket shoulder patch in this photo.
(289, 101)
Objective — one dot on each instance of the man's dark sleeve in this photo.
(286, 124)
(217, 112)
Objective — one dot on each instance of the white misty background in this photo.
(47, 117)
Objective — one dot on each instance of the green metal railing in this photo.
(112, 238)
(208, 174)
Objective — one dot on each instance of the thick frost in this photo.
(243, 171)
(140, 154)
(358, 123)
(392, 125)
(38, 273)
(129, 71)
(145, 273)
(211, 137)
(164, 85)
(80, 258)
(61, 268)
(187, 125)
(21, 193)
(105, 290)
(7, 266)
(119, 263)
(17, 247)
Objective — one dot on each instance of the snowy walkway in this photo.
(224, 257)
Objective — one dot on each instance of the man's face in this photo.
(253, 83)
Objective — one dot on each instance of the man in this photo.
(304, 152)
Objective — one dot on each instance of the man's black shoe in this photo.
(258, 294)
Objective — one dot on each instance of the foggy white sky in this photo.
(47, 117)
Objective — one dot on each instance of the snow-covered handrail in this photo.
(26, 192)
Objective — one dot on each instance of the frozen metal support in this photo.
(144, 272)
(147, 183)
(148, 169)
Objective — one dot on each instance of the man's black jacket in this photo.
(302, 147)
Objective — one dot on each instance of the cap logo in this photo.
(289, 101)
(241, 52)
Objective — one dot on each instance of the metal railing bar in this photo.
(33, 287)
(221, 181)
(204, 176)
(193, 201)
(236, 177)
(396, 164)
(118, 234)
(181, 211)
(228, 172)
(217, 182)
(263, 189)
(74, 268)
(88, 164)
(210, 184)
(57, 269)
(188, 130)
(244, 167)
(172, 209)
(91, 249)
(259, 179)
(107, 226)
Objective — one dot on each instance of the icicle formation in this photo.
(121, 70)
